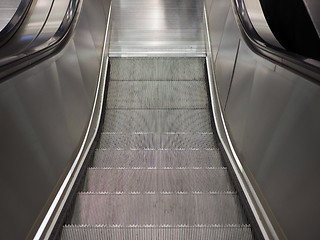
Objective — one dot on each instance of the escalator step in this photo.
(157, 209)
(157, 172)
(157, 158)
(157, 180)
(156, 94)
(227, 232)
(166, 120)
(157, 141)
(159, 69)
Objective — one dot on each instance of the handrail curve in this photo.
(308, 68)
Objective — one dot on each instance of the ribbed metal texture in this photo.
(157, 94)
(157, 172)
(155, 69)
(157, 209)
(158, 180)
(157, 141)
(164, 120)
(157, 158)
(216, 232)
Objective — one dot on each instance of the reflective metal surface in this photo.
(44, 113)
(313, 7)
(157, 28)
(29, 30)
(53, 22)
(226, 57)
(259, 22)
(7, 11)
(309, 68)
(217, 16)
(272, 117)
(13, 24)
(19, 53)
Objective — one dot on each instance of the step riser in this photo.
(157, 158)
(154, 209)
(138, 69)
(173, 233)
(156, 141)
(196, 180)
(197, 121)
(156, 94)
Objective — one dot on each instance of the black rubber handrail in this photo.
(306, 67)
(15, 22)
(32, 55)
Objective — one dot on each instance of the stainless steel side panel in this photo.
(217, 18)
(44, 113)
(273, 119)
(226, 57)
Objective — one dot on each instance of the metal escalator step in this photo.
(157, 180)
(157, 158)
(157, 141)
(157, 209)
(216, 232)
(159, 69)
(187, 141)
(156, 94)
(166, 120)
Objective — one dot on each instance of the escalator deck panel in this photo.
(157, 172)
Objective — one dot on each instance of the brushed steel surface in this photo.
(53, 22)
(313, 8)
(29, 29)
(157, 28)
(226, 57)
(272, 116)
(259, 22)
(279, 116)
(44, 113)
(7, 11)
(217, 18)
(185, 4)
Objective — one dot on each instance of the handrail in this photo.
(39, 50)
(308, 68)
(15, 21)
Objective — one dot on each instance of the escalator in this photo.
(157, 171)
(156, 119)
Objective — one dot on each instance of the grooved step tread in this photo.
(163, 69)
(156, 94)
(157, 158)
(227, 232)
(158, 209)
(157, 172)
(157, 141)
(165, 120)
(157, 180)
